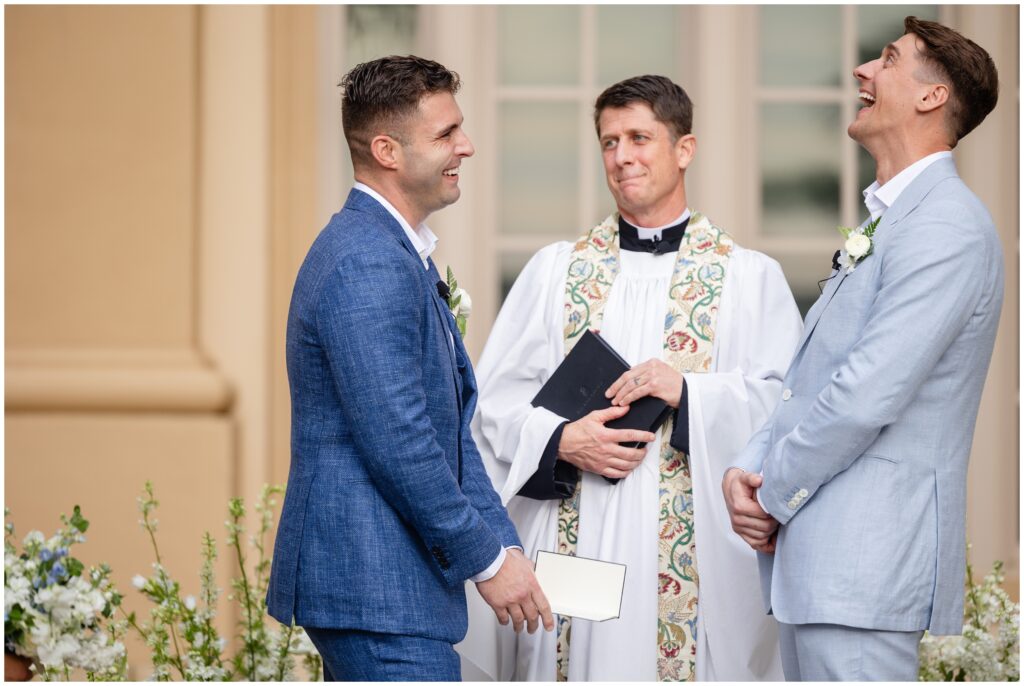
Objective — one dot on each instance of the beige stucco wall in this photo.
(162, 175)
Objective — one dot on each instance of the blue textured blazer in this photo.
(865, 458)
(388, 509)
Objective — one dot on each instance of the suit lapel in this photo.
(446, 316)
(909, 199)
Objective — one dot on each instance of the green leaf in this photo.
(74, 567)
(869, 230)
(78, 521)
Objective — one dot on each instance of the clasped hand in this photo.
(589, 445)
(513, 593)
(749, 520)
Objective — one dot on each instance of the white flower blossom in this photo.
(857, 245)
(190, 602)
(846, 262)
(465, 306)
(138, 581)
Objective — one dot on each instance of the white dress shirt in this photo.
(880, 198)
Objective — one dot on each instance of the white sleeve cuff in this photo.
(757, 494)
(493, 568)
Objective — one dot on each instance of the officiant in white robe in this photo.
(678, 300)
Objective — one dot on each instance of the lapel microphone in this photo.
(835, 267)
(443, 291)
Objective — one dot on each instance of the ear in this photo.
(386, 151)
(686, 148)
(934, 98)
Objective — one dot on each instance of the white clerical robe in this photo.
(757, 330)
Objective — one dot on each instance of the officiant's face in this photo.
(643, 163)
(432, 149)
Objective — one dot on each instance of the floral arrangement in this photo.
(989, 648)
(54, 612)
(64, 622)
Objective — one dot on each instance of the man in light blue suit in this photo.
(389, 510)
(854, 491)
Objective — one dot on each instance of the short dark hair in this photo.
(377, 96)
(964, 66)
(670, 103)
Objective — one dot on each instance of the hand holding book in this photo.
(601, 438)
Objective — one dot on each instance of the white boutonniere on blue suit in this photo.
(858, 245)
(459, 302)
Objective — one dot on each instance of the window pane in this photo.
(510, 266)
(800, 45)
(633, 40)
(878, 25)
(373, 31)
(800, 168)
(538, 46)
(539, 176)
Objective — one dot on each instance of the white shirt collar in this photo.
(422, 238)
(880, 198)
(655, 233)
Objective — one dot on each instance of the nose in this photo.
(623, 153)
(465, 146)
(867, 70)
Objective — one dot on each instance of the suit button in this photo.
(787, 394)
(793, 503)
(802, 493)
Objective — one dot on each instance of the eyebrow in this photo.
(447, 130)
(891, 47)
(631, 132)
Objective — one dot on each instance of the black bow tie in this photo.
(443, 291)
(671, 238)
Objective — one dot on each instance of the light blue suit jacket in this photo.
(388, 509)
(865, 458)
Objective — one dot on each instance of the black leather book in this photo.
(577, 388)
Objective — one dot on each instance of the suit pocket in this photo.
(896, 561)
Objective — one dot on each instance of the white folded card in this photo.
(580, 587)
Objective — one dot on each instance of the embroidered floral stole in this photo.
(694, 295)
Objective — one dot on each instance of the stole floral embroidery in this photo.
(694, 296)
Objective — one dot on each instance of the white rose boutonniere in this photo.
(459, 302)
(858, 245)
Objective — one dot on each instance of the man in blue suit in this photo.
(389, 510)
(854, 491)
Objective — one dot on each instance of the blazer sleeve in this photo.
(372, 326)
(930, 284)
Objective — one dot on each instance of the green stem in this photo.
(248, 607)
(283, 655)
(179, 665)
(159, 561)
